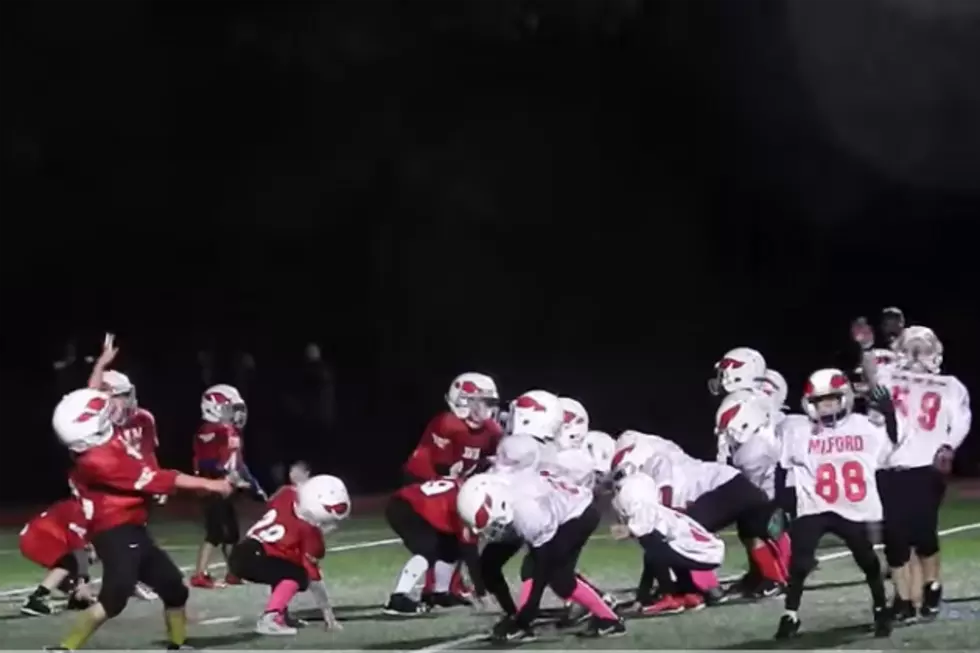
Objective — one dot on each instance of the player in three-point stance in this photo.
(835, 458)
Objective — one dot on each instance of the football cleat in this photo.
(604, 628)
(789, 626)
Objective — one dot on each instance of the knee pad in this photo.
(897, 553)
(173, 595)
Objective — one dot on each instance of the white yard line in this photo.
(476, 637)
(22, 591)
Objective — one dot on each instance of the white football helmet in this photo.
(118, 386)
(741, 415)
(537, 413)
(575, 424)
(82, 419)
(774, 384)
(322, 501)
(919, 350)
(633, 494)
(629, 460)
(473, 398)
(827, 396)
(738, 369)
(516, 453)
(223, 404)
(601, 447)
(485, 505)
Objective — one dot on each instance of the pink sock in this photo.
(784, 545)
(525, 593)
(704, 580)
(281, 595)
(589, 599)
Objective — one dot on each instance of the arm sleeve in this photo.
(962, 420)
(129, 474)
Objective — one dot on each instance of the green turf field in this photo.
(360, 574)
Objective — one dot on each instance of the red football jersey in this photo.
(217, 447)
(55, 533)
(114, 484)
(450, 446)
(140, 432)
(286, 536)
(435, 502)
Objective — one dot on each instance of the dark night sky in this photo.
(598, 197)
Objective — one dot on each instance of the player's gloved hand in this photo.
(619, 531)
(862, 333)
(881, 399)
(944, 459)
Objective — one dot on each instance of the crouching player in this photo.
(54, 539)
(115, 485)
(671, 541)
(424, 516)
(555, 520)
(283, 547)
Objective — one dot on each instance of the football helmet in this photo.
(322, 501)
(774, 384)
(738, 369)
(82, 419)
(575, 424)
(601, 447)
(223, 404)
(537, 413)
(741, 415)
(892, 323)
(919, 350)
(630, 460)
(485, 505)
(633, 494)
(516, 453)
(827, 396)
(473, 398)
(123, 393)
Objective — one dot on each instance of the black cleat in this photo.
(604, 628)
(508, 630)
(789, 627)
(903, 612)
(932, 597)
(716, 596)
(36, 606)
(402, 605)
(883, 622)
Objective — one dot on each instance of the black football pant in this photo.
(249, 560)
(659, 559)
(220, 521)
(419, 535)
(806, 532)
(910, 500)
(737, 501)
(129, 556)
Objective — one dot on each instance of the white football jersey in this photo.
(757, 460)
(685, 482)
(574, 465)
(789, 422)
(661, 446)
(932, 410)
(683, 534)
(835, 467)
(543, 503)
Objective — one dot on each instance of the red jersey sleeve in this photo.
(125, 473)
(436, 450)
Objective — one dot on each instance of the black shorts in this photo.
(220, 521)
(561, 553)
(807, 531)
(419, 536)
(910, 501)
(736, 501)
(249, 560)
(129, 556)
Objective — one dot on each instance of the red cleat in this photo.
(232, 579)
(202, 580)
(693, 601)
(664, 605)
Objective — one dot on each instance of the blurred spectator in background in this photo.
(243, 373)
(318, 393)
(205, 363)
(71, 372)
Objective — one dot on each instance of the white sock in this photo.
(413, 570)
(443, 572)
(792, 615)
